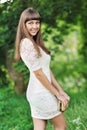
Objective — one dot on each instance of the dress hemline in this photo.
(46, 118)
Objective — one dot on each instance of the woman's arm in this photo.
(62, 94)
(44, 80)
(54, 82)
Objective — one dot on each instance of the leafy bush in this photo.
(5, 79)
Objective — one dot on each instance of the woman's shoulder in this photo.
(26, 42)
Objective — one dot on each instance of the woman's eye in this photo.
(30, 23)
(38, 22)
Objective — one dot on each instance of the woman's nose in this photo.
(34, 25)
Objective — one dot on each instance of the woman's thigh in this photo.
(39, 124)
(59, 122)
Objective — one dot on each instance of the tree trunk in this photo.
(16, 76)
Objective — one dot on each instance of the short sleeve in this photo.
(29, 55)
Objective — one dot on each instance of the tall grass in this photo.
(15, 111)
(76, 114)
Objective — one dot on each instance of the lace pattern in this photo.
(29, 54)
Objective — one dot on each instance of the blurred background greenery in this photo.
(64, 29)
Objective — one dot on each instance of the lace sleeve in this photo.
(29, 55)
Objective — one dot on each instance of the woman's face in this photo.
(33, 26)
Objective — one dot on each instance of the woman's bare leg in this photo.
(59, 122)
(39, 124)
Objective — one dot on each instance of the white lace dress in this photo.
(43, 104)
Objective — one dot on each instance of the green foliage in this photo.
(4, 77)
(20, 67)
(60, 18)
(70, 11)
(68, 66)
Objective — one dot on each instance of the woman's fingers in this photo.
(63, 104)
(64, 100)
(66, 96)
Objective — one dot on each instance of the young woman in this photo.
(43, 91)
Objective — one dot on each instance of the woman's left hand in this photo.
(62, 93)
(65, 97)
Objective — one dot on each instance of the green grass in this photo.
(15, 111)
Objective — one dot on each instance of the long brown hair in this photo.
(28, 14)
